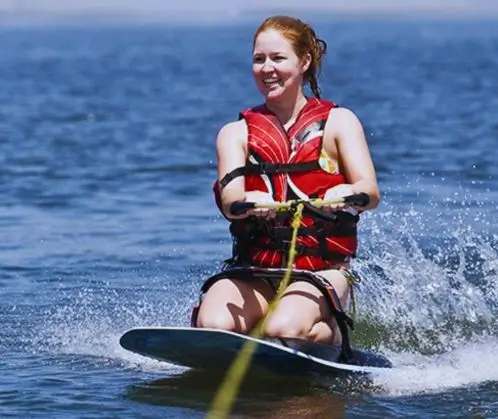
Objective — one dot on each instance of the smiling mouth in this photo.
(271, 82)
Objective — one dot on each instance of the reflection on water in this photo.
(261, 395)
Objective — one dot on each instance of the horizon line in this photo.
(111, 15)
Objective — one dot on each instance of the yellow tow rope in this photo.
(229, 388)
(227, 392)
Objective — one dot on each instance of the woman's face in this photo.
(276, 67)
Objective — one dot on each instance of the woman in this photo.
(290, 147)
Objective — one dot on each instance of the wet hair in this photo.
(303, 40)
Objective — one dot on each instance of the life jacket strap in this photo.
(266, 168)
(251, 232)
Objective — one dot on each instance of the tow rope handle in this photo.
(240, 207)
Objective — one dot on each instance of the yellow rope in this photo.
(229, 388)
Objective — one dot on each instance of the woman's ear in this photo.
(305, 63)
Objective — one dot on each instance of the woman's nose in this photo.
(267, 66)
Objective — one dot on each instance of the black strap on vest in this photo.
(266, 168)
(302, 250)
(251, 233)
(275, 276)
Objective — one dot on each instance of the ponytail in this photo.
(317, 49)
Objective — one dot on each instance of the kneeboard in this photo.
(212, 349)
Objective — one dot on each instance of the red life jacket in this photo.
(290, 165)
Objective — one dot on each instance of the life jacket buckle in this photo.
(264, 166)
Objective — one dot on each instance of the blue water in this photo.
(106, 164)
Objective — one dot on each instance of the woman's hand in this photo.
(337, 192)
(261, 198)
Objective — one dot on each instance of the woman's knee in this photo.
(325, 332)
(217, 320)
(285, 326)
(231, 305)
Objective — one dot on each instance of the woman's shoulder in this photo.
(233, 127)
(343, 113)
(343, 117)
(231, 131)
(343, 123)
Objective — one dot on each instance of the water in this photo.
(107, 219)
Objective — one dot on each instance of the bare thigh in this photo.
(303, 311)
(234, 305)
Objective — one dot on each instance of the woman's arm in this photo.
(231, 150)
(346, 131)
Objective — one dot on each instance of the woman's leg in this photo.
(234, 305)
(303, 311)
